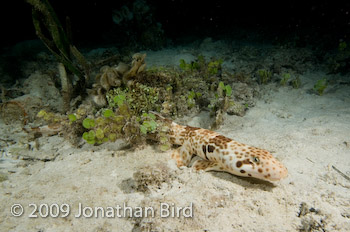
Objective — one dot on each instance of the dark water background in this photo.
(312, 21)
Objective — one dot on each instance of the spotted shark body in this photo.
(220, 153)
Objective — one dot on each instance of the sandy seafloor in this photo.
(307, 132)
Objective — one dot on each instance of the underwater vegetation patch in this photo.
(224, 90)
(320, 86)
(264, 76)
(285, 79)
(123, 97)
(296, 82)
(200, 65)
(149, 125)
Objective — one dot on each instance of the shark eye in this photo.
(256, 159)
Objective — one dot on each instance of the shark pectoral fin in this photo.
(206, 165)
(182, 156)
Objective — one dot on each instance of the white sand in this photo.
(308, 133)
